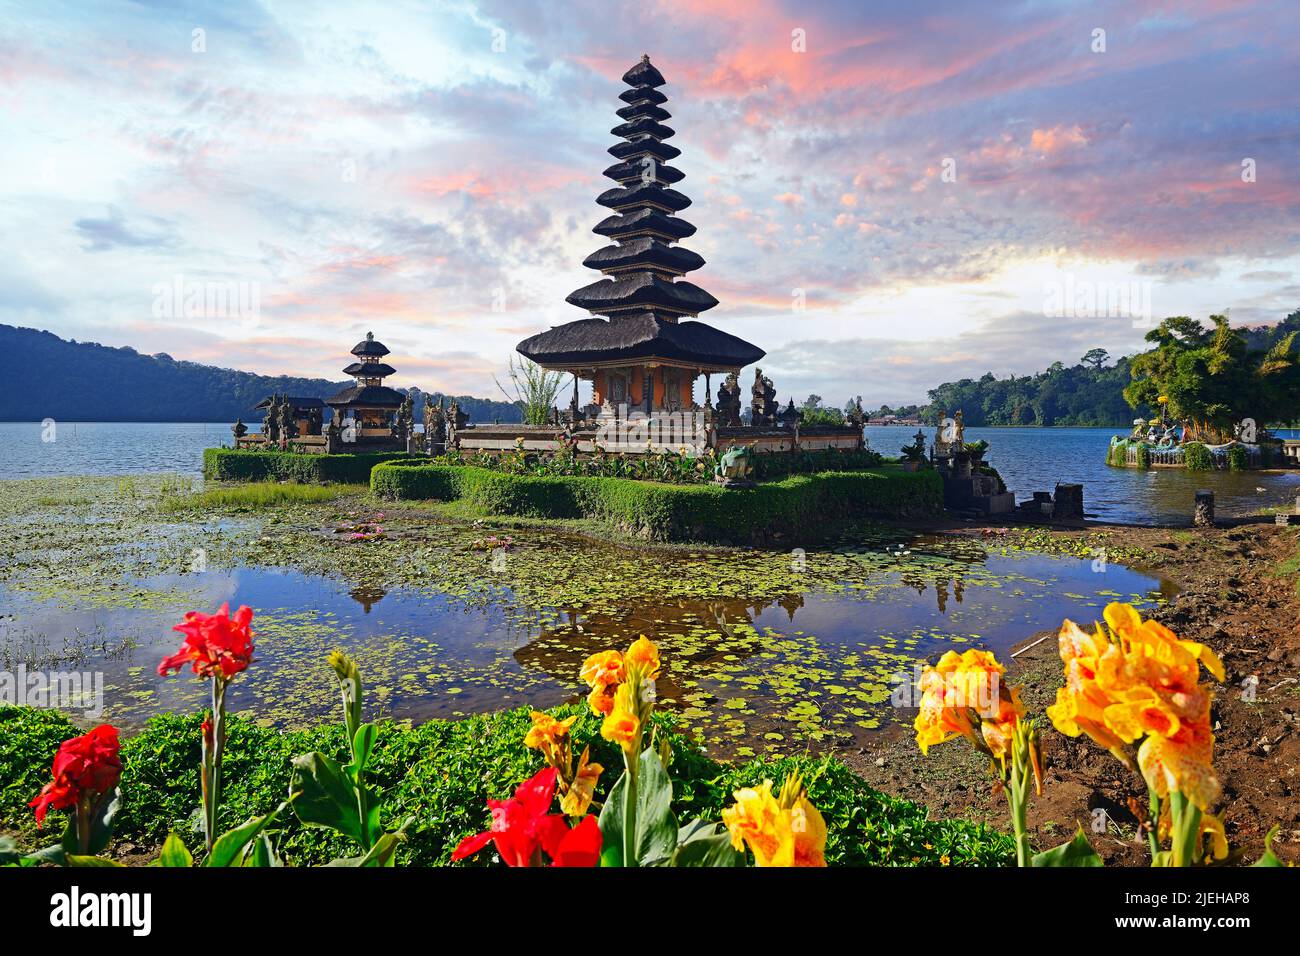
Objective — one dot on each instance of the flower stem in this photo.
(629, 812)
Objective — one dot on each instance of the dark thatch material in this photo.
(635, 338)
(644, 194)
(647, 253)
(635, 170)
(643, 290)
(645, 126)
(664, 152)
(366, 396)
(646, 110)
(369, 347)
(644, 74)
(644, 222)
(643, 94)
(369, 369)
(295, 402)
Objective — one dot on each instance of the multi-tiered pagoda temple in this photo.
(369, 404)
(641, 348)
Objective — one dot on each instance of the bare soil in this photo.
(1235, 598)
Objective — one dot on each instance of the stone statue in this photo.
(729, 402)
(959, 429)
(456, 420)
(239, 429)
(288, 428)
(732, 469)
(404, 420)
(763, 405)
(270, 422)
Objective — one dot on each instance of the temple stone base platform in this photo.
(977, 493)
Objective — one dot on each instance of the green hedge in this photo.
(442, 772)
(803, 503)
(250, 464)
(1197, 457)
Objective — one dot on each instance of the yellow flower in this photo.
(962, 696)
(548, 734)
(577, 799)
(1142, 684)
(784, 831)
(622, 725)
(644, 654)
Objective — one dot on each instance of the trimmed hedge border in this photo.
(242, 464)
(803, 503)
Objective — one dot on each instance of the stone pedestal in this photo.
(1067, 503)
(1203, 515)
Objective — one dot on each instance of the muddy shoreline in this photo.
(1233, 598)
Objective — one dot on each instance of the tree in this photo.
(1095, 358)
(1212, 379)
(534, 388)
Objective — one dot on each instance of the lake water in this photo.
(1029, 459)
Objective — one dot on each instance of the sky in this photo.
(888, 195)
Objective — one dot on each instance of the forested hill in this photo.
(1088, 393)
(1062, 395)
(50, 377)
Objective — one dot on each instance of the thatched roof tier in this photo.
(639, 337)
(636, 169)
(644, 74)
(643, 94)
(369, 369)
(644, 222)
(642, 291)
(645, 253)
(644, 194)
(366, 396)
(643, 110)
(643, 127)
(664, 152)
(369, 347)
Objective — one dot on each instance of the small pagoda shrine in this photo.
(640, 349)
(369, 412)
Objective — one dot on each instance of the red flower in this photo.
(523, 827)
(214, 643)
(86, 764)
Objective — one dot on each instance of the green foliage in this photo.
(1238, 459)
(441, 773)
(535, 389)
(1143, 456)
(1212, 378)
(1085, 394)
(256, 465)
(263, 494)
(1117, 454)
(675, 512)
(1196, 457)
(1077, 852)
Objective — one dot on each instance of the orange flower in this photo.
(550, 736)
(780, 831)
(644, 654)
(1144, 685)
(602, 672)
(962, 696)
(622, 725)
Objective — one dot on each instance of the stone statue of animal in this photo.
(734, 464)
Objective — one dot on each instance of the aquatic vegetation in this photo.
(264, 494)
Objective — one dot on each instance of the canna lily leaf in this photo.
(228, 849)
(1077, 852)
(323, 794)
(174, 853)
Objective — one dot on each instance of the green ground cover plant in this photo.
(441, 773)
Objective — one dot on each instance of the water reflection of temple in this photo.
(367, 595)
